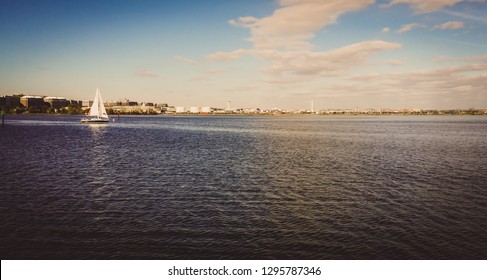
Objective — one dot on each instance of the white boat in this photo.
(97, 113)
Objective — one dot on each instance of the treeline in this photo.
(44, 109)
(68, 110)
(111, 111)
(413, 113)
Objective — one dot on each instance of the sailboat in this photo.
(97, 113)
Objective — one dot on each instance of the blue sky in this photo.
(256, 53)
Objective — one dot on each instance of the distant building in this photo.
(181, 110)
(194, 110)
(146, 107)
(112, 103)
(56, 102)
(32, 101)
(86, 103)
(9, 102)
(206, 110)
(168, 110)
(250, 111)
(76, 103)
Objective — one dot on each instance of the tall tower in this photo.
(312, 106)
(229, 105)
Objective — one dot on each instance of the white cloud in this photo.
(437, 88)
(394, 62)
(246, 22)
(306, 63)
(408, 27)
(283, 39)
(218, 56)
(208, 74)
(466, 16)
(428, 6)
(465, 43)
(185, 60)
(295, 22)
(286, 64)
(147, 74)
(450, 25)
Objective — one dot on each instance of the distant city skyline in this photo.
(256, 53)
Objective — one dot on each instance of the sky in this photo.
(255, 53)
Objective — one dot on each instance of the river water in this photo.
(410, 187)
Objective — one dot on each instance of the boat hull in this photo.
(94, 121)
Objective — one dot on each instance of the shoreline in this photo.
(270, 115)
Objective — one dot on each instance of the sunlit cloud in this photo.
(326, 63)
(246, 22)
(185, 60)
(482, 59)
(432, 88)
(394, 62)
(386, 30)
(450, 25)
(147, 74)
(458, 42)
(208, 74)
(466, 16)
(295, 22)
(428, 6)
(219, 56)
(283, 39)
(409, 27)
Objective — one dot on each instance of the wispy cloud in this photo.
(295, 22)
(428, 6)
(467, 59)
(146, 74)
(305, 63)
(247, 22)
(185, 60)
(286, 64)
(434, 88)
(450, 25)
(409, 27)
(394, 62)
(466, 16)
(283, 39)
(219, 56)
(460, 42)
(208, 74)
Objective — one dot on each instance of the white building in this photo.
(181, 110)
(194, 110)
(86, 103)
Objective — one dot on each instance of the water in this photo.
(244, 188)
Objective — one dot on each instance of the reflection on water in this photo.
(244, 187)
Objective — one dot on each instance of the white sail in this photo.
(94, 110)
(102, 113)
(97, 111)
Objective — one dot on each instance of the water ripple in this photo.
(244, 187)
